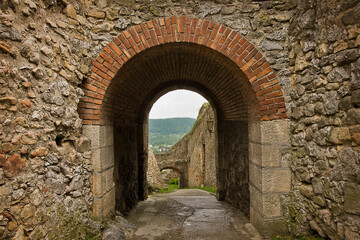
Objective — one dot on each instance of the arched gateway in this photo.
(152, 58)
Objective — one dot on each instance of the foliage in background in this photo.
(168, 131)
(174, 181)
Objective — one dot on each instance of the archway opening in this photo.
(172, 175)
(199, 55)
(150, 74)
(182, 133)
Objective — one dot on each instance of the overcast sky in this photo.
(178, 103)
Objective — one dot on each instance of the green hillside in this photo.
(168, 131)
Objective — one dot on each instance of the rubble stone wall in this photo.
(323, 107)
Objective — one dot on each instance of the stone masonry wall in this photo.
(153, 172)
(324, 110)
(46, 53)
(188, 153)
(201, 150)
(233, 172)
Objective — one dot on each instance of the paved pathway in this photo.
(189, 214)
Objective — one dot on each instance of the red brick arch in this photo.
(230, 43)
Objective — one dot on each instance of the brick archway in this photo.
(222, 39)
(171, 167)
(182, 52)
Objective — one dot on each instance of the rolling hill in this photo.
(167, 131)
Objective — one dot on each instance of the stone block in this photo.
(109, 203)
(103, 158)
(256, 199)
(276, 180)
(275, 132)
(268, 228)
(264, 155)
(352, 198)
(105, 205)
(103, 182)
(271, 206)
(92, 132)
(255, 132)
(106, 136)
(107, 157)
(255, 176)
(96, 159)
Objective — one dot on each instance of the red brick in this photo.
(100, 67)
(107, 49)
(150, 24)
(124, 41)
(90, 87)
(119, 62)
(168, 25)
(274, 94)
(233, 34)
(106, 57)
(265, 72)
(134, 35)
(204, 27)
(268, 84)
(182, 24)
(215, 31)
(153, 37)
(157, 27)
(193, 26)
(115, 48)
(280, 99)
(145, 30)
(263, 92)
(126, 34)
(251, 54)
(134, 45)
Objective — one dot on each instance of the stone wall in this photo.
(176, 160)
(233, 170)
(195, 154)
(323, 106)
(126, 168)
(153, 172)
(202, 150)
(46, 53)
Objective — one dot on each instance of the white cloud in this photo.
(178, 103)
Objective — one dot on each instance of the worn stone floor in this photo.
(189, 214)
